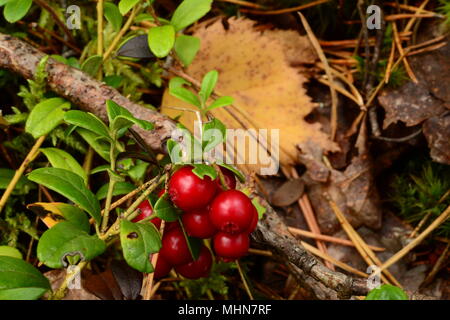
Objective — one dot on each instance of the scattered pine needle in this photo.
(334, 261)
(344, 242)
(287, 10)
(361, 245)
(401, 51)
(244, 3)
(323, 58)
(400, 254)
(308, 213)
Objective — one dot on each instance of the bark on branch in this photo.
(79, 88)
(90, 95)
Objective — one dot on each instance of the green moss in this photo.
(445, 10)
(421, 189)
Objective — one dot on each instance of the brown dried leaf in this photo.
(255, 69)
(410, 104)
(353, 190)
(288, 193)
(56, 278)
(103, 285)
(128, 279)
(437, 133)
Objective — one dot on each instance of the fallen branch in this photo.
(79, 88)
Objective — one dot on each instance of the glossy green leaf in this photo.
(102, 168)
(87, 121)
(92, 65)
(100, 146)
(138, 171)
(186, 48)
(185, 95)
(73, 62)
(113, 81)
(201, 170)
(23, 185)
(208, 84)
(16, 10)
(46, 116)
(10, 252)
(19, 280)
(70, 185)
(119, 117)
(138, 241)
(61, 159)
(64, 239)
(126, 5)
(120, 188)
(175, 151)
(177, 82)
(3, 2)
(387, 292)
(113, 15)
(220, 102)
(214, 133)
(165, 210)
(188, 12)
(61, 211)
(161, 40)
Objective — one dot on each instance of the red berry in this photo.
(189, 192)
(162, 268)
(171, 225)
(254, 222)
(146, 211)
(231, 246)
(174, 247)
(232, 211)
(161, 193)
(198, 224)
(230, 179)
(198, 268)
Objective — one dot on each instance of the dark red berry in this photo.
(198, 268)
(254, 222)
(231, 246)
(230, 179)
(146, 211)
(232, 211)
(171, 225)
(174, 247)
(189, 192)
(161, 193)
(198, 224)
(162, 268)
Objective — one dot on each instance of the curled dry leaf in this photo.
(256, 69)
(353, 190)
(288, 193)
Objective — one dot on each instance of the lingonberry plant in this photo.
(198, 216)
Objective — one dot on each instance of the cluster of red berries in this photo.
(209, 211)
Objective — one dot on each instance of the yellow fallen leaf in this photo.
(259, 70)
